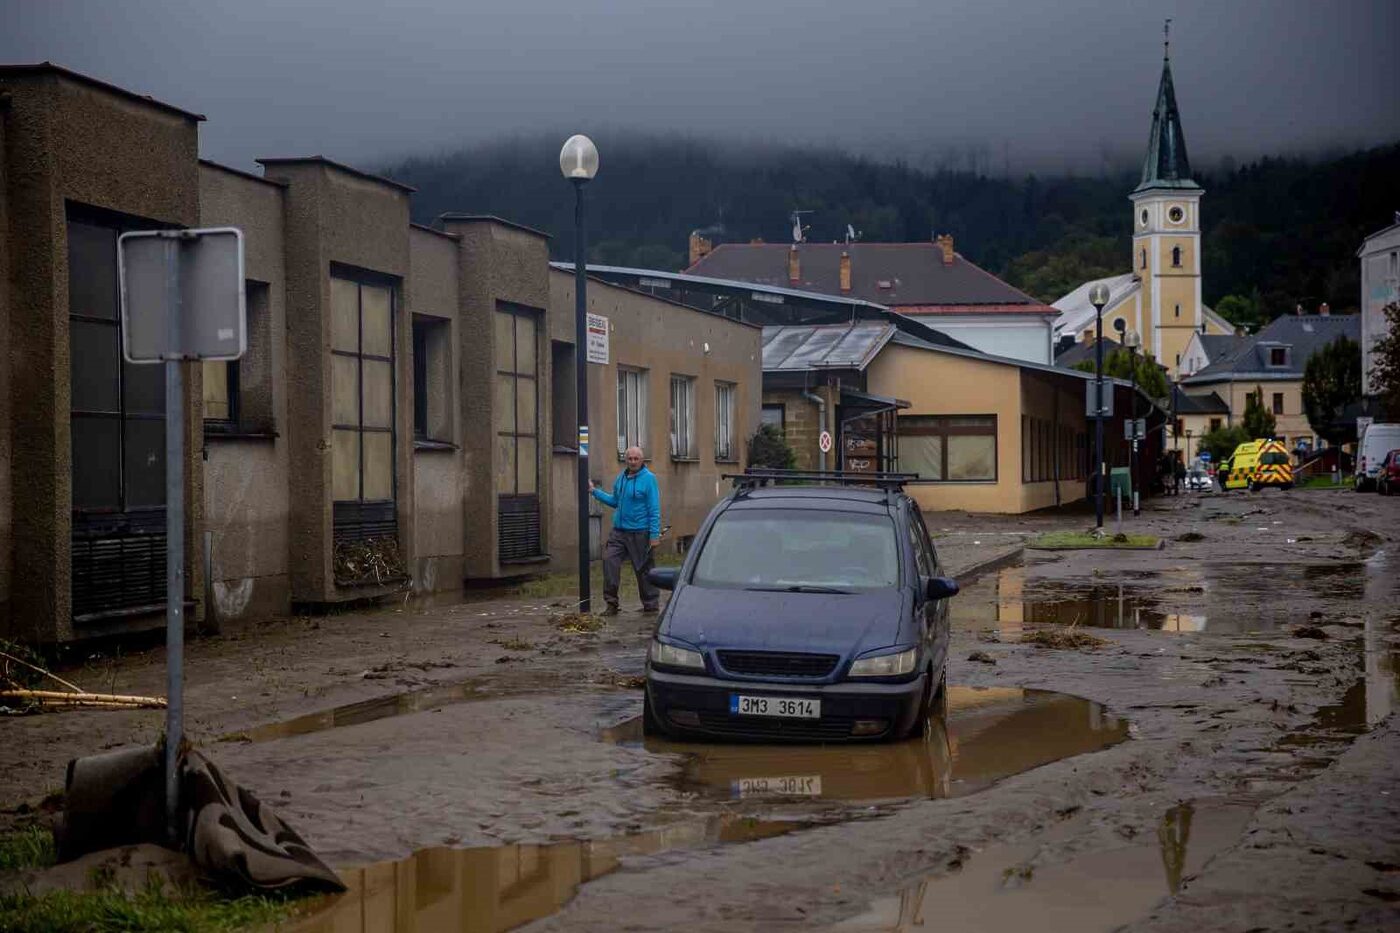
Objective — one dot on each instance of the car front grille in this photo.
(756, 727)
(777, 663)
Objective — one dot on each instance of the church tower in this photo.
(1167, 233)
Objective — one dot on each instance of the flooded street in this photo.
(474, 765)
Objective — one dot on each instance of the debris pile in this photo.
(376, 562)
(22, 681)
(1070, 638)
(576, 623)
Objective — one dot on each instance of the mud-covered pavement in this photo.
(471, 764)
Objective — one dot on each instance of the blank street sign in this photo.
(192, 276)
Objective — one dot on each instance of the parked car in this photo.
(1388, 478)
(1198, 480)
(1377, 440)
(802, 612)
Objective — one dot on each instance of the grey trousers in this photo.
(635, 548)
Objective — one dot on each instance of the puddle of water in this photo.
(1232, 598)
(354, 714)
(1013, 887)
(986, 735)
(488, 889)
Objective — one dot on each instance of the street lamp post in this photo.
(1132, 341)
(1098, 297)
(578, 160)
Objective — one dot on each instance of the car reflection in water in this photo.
(983, 735)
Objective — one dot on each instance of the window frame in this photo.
(1276, 403)
(427, 328)
(683, 426)
(517, 314)
(632, 401)
(726, 409)
(781, 409)
(908, 428)
(363, 278)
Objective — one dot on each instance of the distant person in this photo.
(636, 530)
(1178, 474)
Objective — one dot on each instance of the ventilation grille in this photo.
(519, 527)
(354, 522)
(120, 573)
(777, 663)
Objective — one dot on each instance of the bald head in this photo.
(634, 458)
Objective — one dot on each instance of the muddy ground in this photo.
(1206, 768)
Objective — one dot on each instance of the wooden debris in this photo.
(40, 670)
(60, 698)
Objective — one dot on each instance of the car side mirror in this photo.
(663, 578)
(941, 587)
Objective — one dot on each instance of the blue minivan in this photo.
(802, 613)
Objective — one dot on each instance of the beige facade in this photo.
(391, 425)
(720, 358)
(1282, 397)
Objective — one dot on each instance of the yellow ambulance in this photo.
(1258, 464)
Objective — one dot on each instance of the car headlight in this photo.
(886, 665)
(673, 656)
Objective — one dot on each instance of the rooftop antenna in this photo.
(799, 232)
(1167, 39)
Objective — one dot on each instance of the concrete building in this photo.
(1161, 297)
(394, 423)
(1271, 363)
(1380, 286)
(929, 282)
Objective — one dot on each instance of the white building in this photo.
(1380, 286)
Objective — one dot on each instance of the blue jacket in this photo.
(637, 499)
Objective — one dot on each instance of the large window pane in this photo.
(379, 464)
(972, 457)
(377, 334)
(216, 402)
(345, 315)
(526, 466)
(378, 383)
(145, 462)
(143, 387)
(922, 455)
(505, 464)
(505, 402)
(345, 390)
(345, 465)
(526, 412)
(96, 452)
(92, 271)
(505, 341)
(93, 357)
(525, 345)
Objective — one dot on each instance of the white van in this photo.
(1379, 440)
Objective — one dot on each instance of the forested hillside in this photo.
(1277, 232)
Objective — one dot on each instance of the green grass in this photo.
(566, 584)
(1073, 539)
(31, 847)
(157, 907)
(1323, 481)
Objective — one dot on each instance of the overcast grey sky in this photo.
(1045, 84)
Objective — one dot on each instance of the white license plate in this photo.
(783, 707)
(802, 785)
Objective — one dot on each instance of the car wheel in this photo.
(651, 725)
(1253, 486)
(920, 723)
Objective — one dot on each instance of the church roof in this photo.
(1166, 164)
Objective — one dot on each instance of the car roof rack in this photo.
(755, 478)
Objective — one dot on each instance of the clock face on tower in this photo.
(1175, 214)
(1142, 218)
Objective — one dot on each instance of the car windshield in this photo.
(1274, 459)
(797, 549)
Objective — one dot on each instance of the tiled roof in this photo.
(916, 310)
(892, 274)
(1082, 351)
(1209, 404)
(1301, 334)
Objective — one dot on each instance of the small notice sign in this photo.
(824, 442)
(597, 346)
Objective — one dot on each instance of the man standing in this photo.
(636, 530)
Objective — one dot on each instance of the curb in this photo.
(1101, 547)
(990, 564)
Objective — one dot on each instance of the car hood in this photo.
(826, 623)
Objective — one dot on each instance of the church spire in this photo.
(1166, 164)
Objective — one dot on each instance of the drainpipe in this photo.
(821, 418)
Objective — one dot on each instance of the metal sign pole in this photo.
(174, 549)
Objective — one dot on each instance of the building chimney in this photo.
(1087, 336)
(794, 267)
(945, 243)
(699, 247)
(845, 271)
(1324, 309)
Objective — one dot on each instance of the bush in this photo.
(769, 449)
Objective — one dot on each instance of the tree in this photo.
(769, 449)
(1245, 310)
(1385, 364)
(1331, 382)
(1150, 377)
(1259, 422)
(1221, 442)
